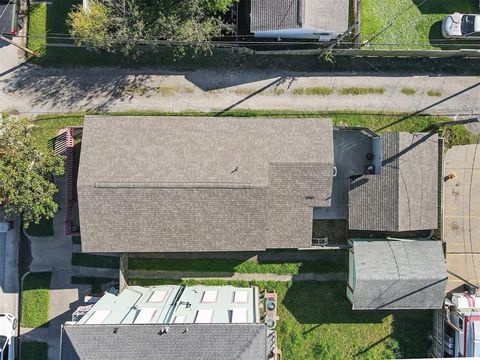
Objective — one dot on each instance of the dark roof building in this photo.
(179, 184)
(390, 275)
(173, 342)
(404, 197)
(298, 18)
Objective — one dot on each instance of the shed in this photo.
(393, 274)
(299, 19)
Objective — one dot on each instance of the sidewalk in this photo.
(30, 89)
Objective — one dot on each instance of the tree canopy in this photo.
(26, 186)
(127, 26)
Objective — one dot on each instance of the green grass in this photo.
(409, 91)
(317, 322)
(361, 91)
(43, 228)
(434, 93)
(98, 261)
(35, 300)
(76, 240)
(48, 126)
(415, 27)
(37, 28)
(34, 350)
(323, 91)
(239, 266)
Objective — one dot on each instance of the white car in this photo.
(8, 325)
(461, 26)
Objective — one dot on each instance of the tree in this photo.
(26, 172)
(130, 26)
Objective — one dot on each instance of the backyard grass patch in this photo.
(34, 350)
(35, 300)
(361, 91)
(434, 93)
(409, 91)
(37, 28)
(98, 261)
(323, 91)
(48, 126)
(409, 24)
(239, 266)
(316, 321)
(43, 228)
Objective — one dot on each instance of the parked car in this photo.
(10, 22)
(8, 325)
(461, 26)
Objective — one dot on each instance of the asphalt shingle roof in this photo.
(173, 184)
(404, 197)
(399, 275)
(322, 15)
(181, 342)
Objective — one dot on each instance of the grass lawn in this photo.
(43, 228)
(317, 322)
(35, 300)
(416, 27)
(239, 266)
(98, 261)
(48, 126)
(34, 350)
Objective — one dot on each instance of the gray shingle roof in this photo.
(173, 184)
(322, 15)
(143, 342)
(399, 275)
(404, 197)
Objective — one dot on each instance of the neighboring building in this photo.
(396, 274)
(299, 19)
(192, 184)
(404, 197)
(171, 322)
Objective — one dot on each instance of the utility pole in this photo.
(7, 40)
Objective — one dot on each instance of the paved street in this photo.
(30, 89)
(462, 214)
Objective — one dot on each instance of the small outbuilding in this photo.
(299, 19)
(396, 274)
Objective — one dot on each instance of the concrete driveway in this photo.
(10, 57)
(462, 214)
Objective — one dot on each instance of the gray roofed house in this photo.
(179, 184)
(393, 275)
(404, 197)
(180, 342)
(299, 18)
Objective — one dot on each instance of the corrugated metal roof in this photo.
(319, 15)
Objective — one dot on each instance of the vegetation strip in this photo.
(361, 91)
(238, 266)
(35, 300)
(48, 126)
(98, 261)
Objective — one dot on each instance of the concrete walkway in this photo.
(462, 214)
(29, 89)
(180, 275)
